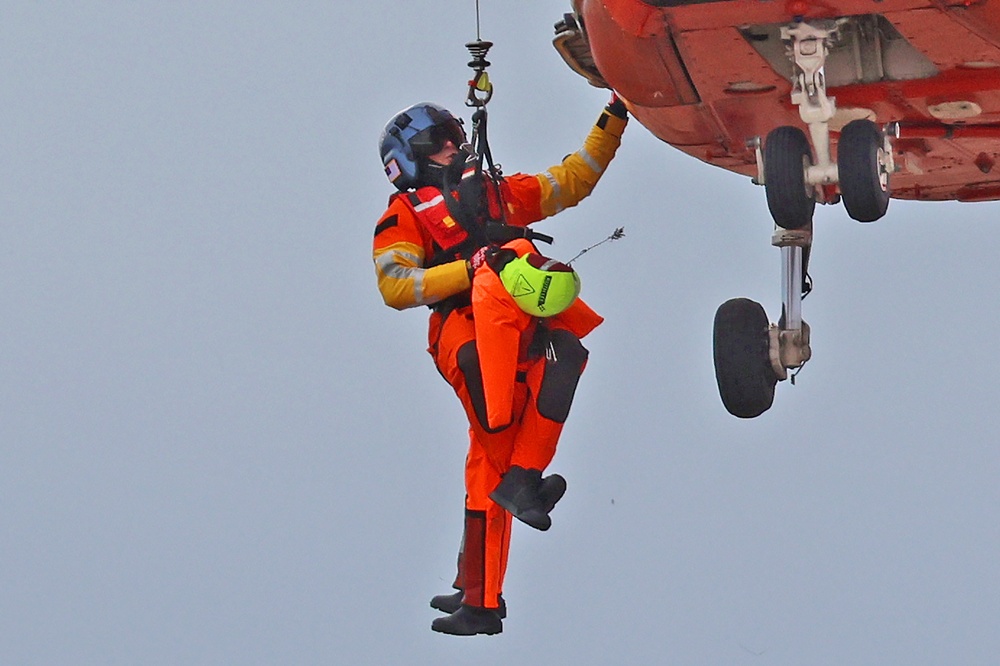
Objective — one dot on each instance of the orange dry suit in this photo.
(420, 253)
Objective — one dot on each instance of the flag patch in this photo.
(392, 170)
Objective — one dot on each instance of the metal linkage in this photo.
(810, 44)
(480, 88)
(480, 92)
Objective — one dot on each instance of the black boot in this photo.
(449, 603)
(518, 494)
(469, 621)
(550, 491)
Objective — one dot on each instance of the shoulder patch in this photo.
(387, 223)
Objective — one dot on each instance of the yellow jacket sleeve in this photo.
(404, 283)
(569, 182)
(399, 254)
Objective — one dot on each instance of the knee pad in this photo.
(565, 357)
(468, 362)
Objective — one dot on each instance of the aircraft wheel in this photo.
(742, 358)
(864, 180)
(787, 155)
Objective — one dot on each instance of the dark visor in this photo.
(431, 140)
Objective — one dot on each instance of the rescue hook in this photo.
(480, 88)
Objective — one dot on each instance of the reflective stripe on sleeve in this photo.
(589, 159)
(556, 190)
(398, 265)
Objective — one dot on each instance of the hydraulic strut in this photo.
(790, 338)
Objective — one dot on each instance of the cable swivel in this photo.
(480, 88)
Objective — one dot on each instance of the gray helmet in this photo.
(413, 135)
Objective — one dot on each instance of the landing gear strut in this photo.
(750, 354)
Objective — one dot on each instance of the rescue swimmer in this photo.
(505, 323)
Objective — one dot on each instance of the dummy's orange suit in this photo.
(538, 400)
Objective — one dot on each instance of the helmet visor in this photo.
(433, 139)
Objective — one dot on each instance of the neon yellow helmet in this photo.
(541, 287)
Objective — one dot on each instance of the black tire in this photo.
(864, 183)
(742, 358)
(786, 156)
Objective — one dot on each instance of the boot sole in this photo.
(551, 491)
(540, 522)
(487, 632)
(440, 626)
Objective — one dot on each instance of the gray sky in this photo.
(217, 446)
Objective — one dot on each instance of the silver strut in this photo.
(789, 343)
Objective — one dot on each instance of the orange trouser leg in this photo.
(486, 539)
(499, 323)
(531, 421)
(551, 380)
(536, 437)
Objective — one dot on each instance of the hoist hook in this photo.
(480, 88)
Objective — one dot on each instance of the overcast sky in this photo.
(218, 446)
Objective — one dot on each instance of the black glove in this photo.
(480, 257)
(616, 107)
(491, 255)
(497, 260)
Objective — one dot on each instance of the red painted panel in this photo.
(693, 93)
(643, 69)
(946, 42)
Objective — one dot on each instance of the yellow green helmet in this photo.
(541, 287)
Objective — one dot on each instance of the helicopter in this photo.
(819, 101)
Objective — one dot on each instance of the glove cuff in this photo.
(616, 107)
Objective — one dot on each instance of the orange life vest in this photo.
(453, 238)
